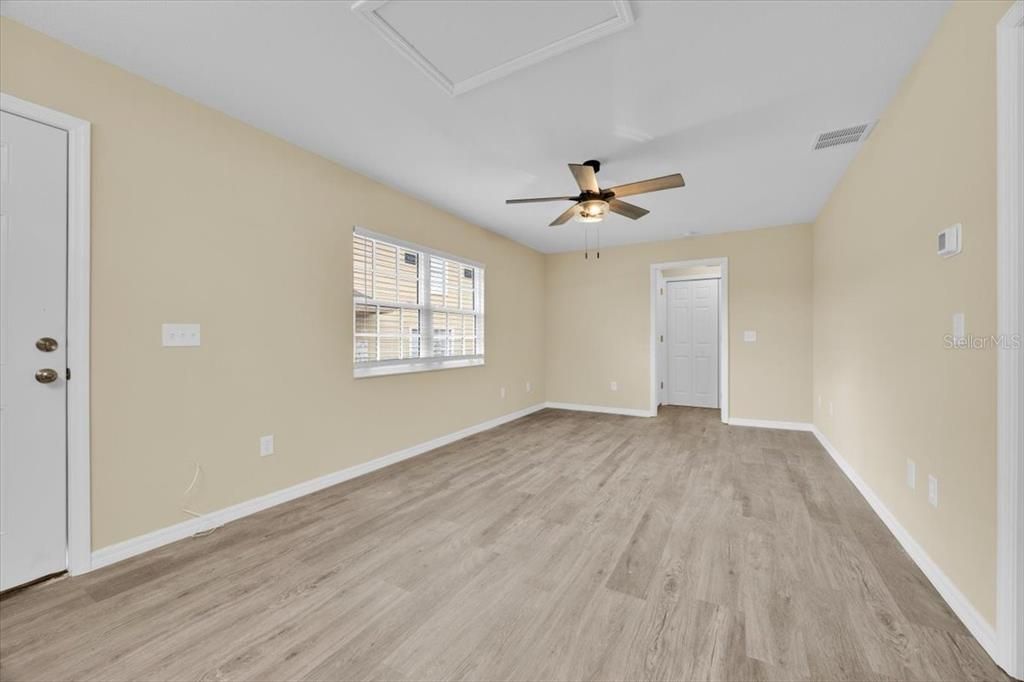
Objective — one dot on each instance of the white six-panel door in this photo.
(33, 350)
(692, 340)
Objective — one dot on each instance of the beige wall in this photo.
(884, 299)
(598, 321)
(199, 218)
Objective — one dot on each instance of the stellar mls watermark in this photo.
(992, 341)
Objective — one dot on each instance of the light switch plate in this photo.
(266, 445)
(180, 334)
(911, 474)
(614, 385)
(750, 336)
(933, 491)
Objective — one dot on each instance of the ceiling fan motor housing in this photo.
(593, 163)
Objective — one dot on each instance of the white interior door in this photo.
(692, 339)
(33, 366)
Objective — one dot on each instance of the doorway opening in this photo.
(689, 344)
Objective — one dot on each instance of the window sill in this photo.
(382, 370)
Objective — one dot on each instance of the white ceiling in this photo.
(731, 94)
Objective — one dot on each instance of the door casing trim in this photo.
(79, 526)
(1010, 359)
(657, 279)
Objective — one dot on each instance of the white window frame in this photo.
(423, 364)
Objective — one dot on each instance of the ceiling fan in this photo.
(592, 204)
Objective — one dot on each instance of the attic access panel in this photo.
(463, 45)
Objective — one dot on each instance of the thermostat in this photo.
(950, 241)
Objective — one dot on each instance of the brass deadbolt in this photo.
(46, 344)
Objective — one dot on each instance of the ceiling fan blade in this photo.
(652, 185)
(585, 177)
(629, 210)
(565, 217)
(538, 200)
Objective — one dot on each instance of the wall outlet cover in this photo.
(750, 336)
(959, 327)
(614, 386)
(266, 445)
(911, 474)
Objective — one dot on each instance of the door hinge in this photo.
(661, 338)
(661, 291)
(67, 374)
(663, 384)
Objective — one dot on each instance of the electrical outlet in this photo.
(933, 491)
(266, 445)
(750, 336)
(503, 392)
(911, 474)
(959, 327)
(529, 387)
(614, 385)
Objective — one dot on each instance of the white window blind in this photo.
(414, 308)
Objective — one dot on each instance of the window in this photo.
(414, 309)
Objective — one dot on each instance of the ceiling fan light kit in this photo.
(592, 211)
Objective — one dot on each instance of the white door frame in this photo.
(79, 509)
(1010, 374)
(657, 279)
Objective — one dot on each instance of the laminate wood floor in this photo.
(562, 546)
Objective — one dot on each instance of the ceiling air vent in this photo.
(834, 138)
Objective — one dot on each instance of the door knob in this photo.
(46, 376)
(46, 344)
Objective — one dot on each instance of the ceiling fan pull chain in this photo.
(586, 243)
(598, 228)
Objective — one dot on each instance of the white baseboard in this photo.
(627, 411)
(962, 607)
(633, 412)
(179, 531)
(771, 424)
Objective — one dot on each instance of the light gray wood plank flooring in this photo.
(562, 546)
